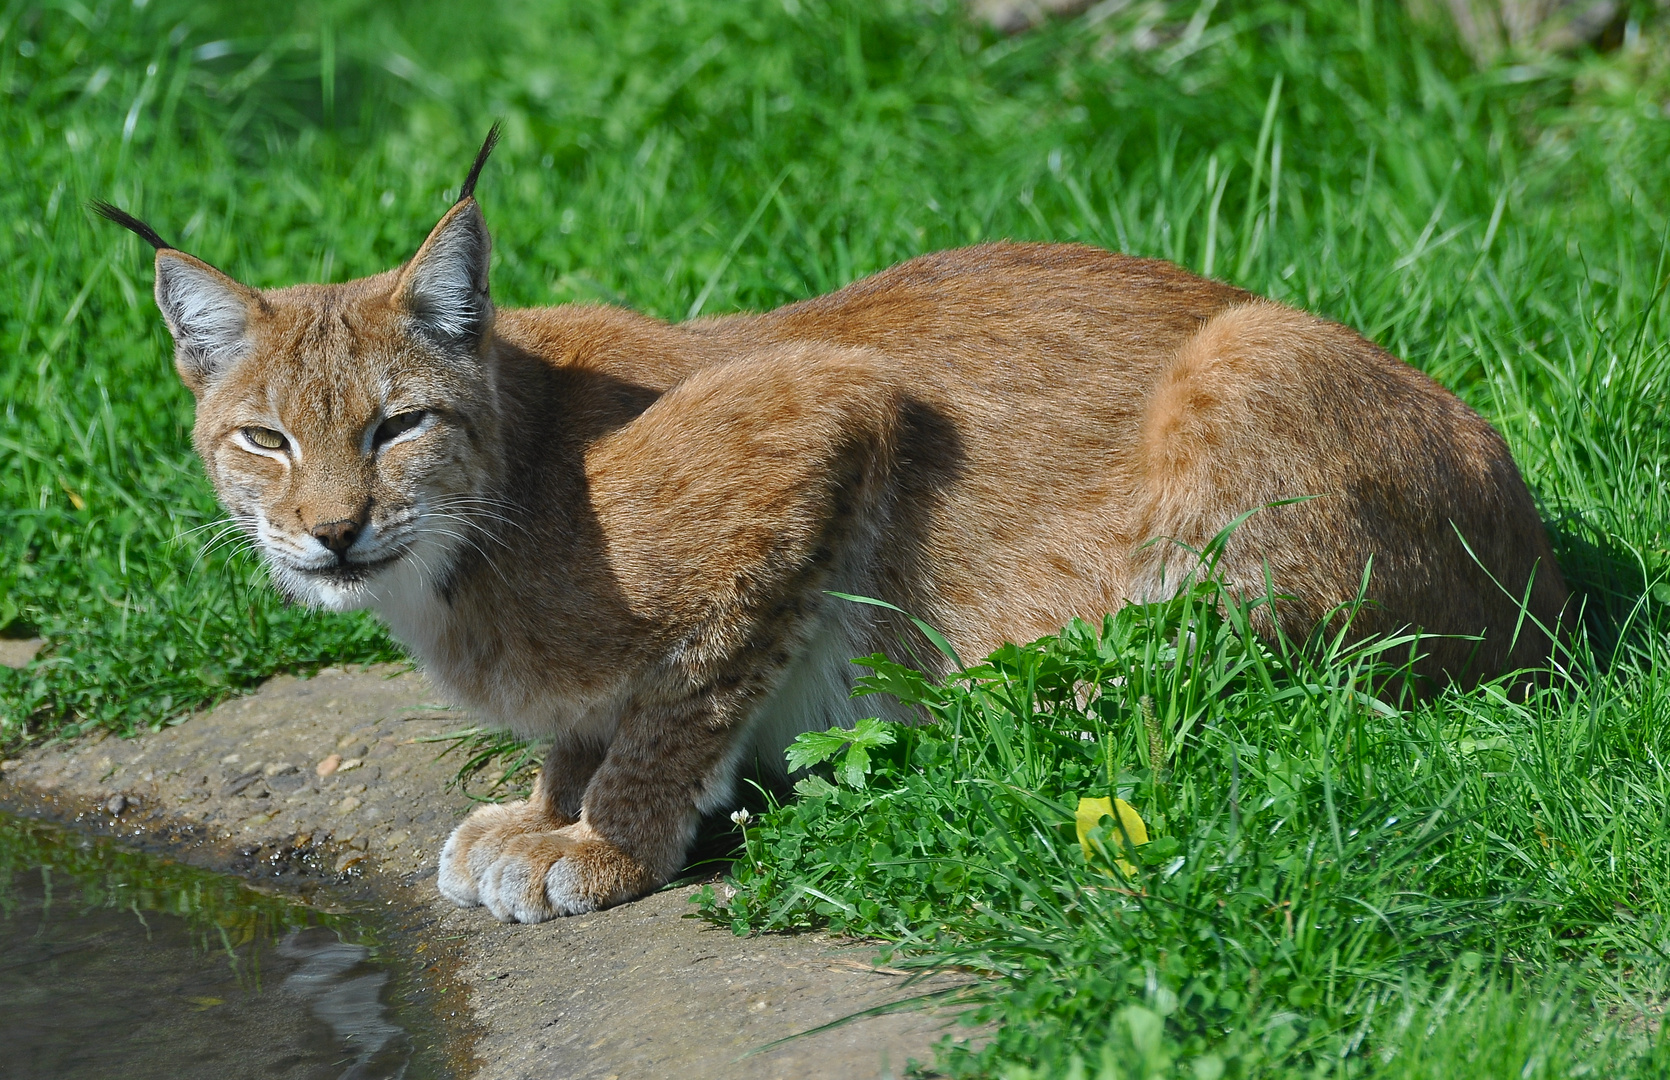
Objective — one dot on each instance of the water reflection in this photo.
(339, 992)
(118, 964)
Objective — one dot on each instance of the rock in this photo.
(280, 768)
(329, 765)
(242, 783)
(348, 805)
(1014, 16)
(288, 783)
(116, 805)
(15, 653)
(348, 860)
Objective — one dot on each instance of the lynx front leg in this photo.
(481, 840)
(725, 508)
(529, 862)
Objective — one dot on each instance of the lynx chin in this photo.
(620, 535)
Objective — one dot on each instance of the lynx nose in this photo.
(338, 536)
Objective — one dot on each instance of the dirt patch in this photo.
(326, 786)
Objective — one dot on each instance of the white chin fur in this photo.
(333, 597)
(399, 585)
(318, 592)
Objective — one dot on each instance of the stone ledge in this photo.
(637, 991)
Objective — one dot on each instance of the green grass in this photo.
(1503, 230)
(1326, 879)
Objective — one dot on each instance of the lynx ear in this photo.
(444, 287)
(206, 311)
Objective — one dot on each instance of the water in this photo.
(114, 963)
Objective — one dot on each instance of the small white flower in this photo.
(741, 817)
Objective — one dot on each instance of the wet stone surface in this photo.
(117, 963)
(325, 786)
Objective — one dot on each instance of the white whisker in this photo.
(222, 521)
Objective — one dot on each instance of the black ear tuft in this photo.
(468, 190)
(133, 224)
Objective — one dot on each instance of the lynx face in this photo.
(349, 429)
(350, 470)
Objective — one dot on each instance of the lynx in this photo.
(621, 535)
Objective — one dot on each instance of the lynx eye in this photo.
(397, 425)
(266, 438)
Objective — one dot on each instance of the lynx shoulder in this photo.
(620, 535)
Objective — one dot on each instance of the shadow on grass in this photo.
(1623, 591)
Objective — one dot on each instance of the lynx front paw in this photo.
(525, 868)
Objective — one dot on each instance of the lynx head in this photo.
(351, 430)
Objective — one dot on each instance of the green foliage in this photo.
(1322, 866)
(854, 746)
(490, 750)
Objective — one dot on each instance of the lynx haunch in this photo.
(618, 534)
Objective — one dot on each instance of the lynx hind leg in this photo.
(1243, 417)
(1265, 404)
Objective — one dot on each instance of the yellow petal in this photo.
(1135, 827)
(1092, 811)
